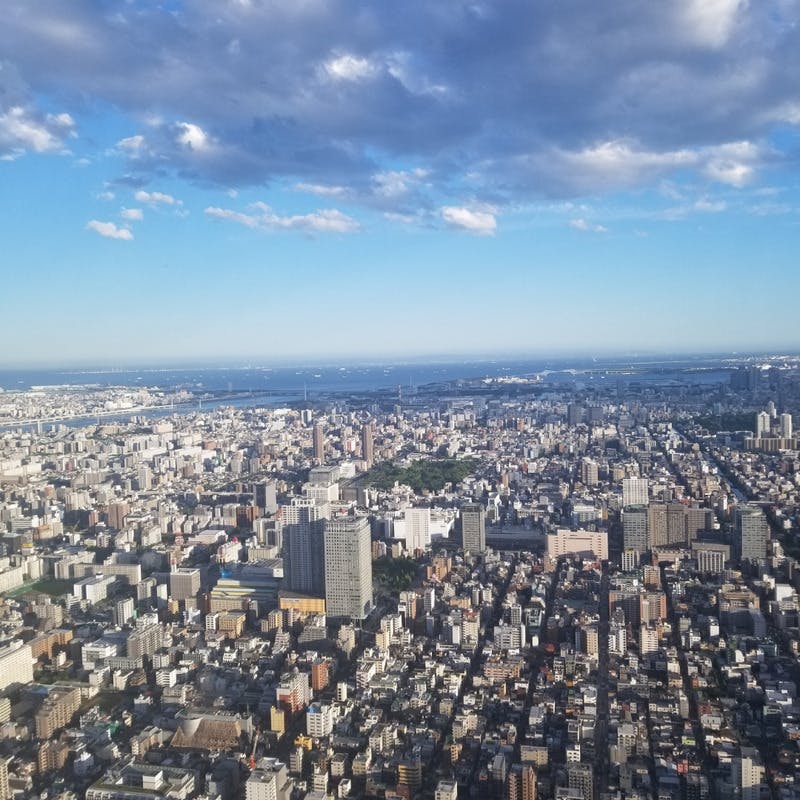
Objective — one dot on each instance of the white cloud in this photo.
(405, 219)
(788, 111)
(710, 206)
(132, 214)
(106, 196)
(477, 220)
(396, 183)
(622, 162)
(109, 230)
(400, 66)
(156, 198)
(320, 189)
(351, 95)
(582, 225)
(733, 163)
(228, 214)
(710, 22)
(192, 136)
(264, 218)
(349, 68)
(131, 144)
(22, 130)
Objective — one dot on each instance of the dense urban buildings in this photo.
(515, 589)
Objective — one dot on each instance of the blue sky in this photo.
(264, 179)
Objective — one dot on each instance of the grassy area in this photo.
(47, 586)
(396, 574)
(421, 474)
(727, 422)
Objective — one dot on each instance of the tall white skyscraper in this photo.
(417, 528)
(348, 567)
(786, 426)
(763, 423)
(748, 773)
(634, 492)
(16, 665)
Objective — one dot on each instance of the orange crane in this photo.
(253, 751)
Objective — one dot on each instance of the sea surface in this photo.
(354, 377)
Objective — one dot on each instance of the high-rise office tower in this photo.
(748, 774)
(16, 664)
(473, 528)
(319, 442)
(184, 583)
(751, 534)
(417, 528)
(116, 514)
(630, 560)
(635, 528)
(574, 414)
(304, 545)
(786, 426)
(348, 568)
(763, 423)
(676, 523)
(367, 444)
(124, 611)
(589, 472)
(656, 524)
(265, 496)
(634, 492)
(144, 478)
(697, 519)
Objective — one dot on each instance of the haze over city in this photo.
(276, 180)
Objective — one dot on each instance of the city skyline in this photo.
(284, 181)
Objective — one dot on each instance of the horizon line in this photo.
(241, 362)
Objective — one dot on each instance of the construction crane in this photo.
(252, 761)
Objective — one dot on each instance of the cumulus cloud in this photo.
(131, 144)
(319, 189)
(476, 220)
(397, 183)
(156, 198)
(710, 22)
(608, 165)
(602, 96)
(132, 214)
(192, 136)
(581, 224)
(262, 217)
(733, 163)
(349, 68)
(109, 230)
(23, 130)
